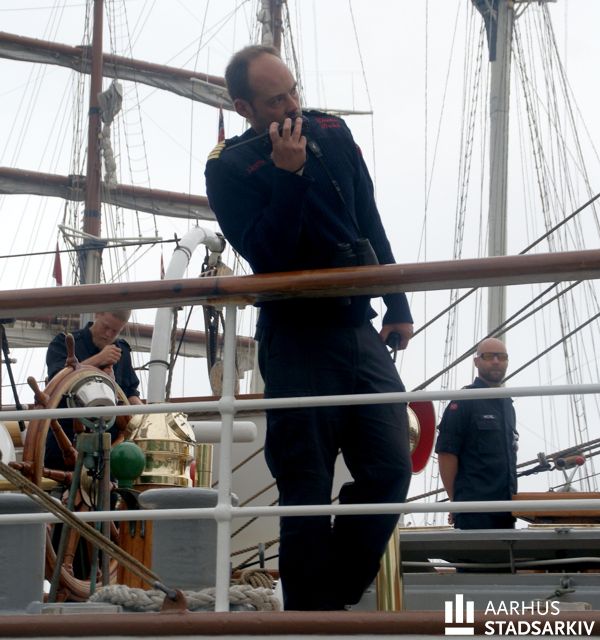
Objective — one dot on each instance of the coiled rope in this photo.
(253, 589)
(241, 597)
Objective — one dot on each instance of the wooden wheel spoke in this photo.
(69, 558)
(68, 451)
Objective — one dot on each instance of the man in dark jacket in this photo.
(97, 344)
(477, 444)
(292, 193)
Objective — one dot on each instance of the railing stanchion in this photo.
(223, 513)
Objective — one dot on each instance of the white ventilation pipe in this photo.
(161, 336)
(209, 431)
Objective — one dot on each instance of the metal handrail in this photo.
(259, 404)
(205, 513)
(232, 291)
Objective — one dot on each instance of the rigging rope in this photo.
(470, 101)
(555, 344)
(171, 354)
(451, 328)
(83, 528)
(258, 597)
(289, 42)
(70, 251)
(549, 190)
(501, 329)
(365, 81)
(528, 248)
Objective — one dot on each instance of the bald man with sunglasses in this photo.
(477, 444)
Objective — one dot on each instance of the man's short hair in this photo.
(122, 314)
(236, 73)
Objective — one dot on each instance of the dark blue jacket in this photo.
(483, 435)
(85, 348)
(280, 221)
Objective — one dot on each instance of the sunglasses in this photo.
(490, 355)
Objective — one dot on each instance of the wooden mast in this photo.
(276, 25)
(90, 258)
(271, 23)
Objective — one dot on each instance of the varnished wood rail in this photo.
(242, 290)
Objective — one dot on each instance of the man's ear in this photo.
(243, 108)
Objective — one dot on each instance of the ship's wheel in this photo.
(74, 582)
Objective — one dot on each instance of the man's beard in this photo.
(494, 377)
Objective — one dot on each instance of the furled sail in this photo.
(158, 202)
(184, 82)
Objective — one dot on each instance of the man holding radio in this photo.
(294, 193)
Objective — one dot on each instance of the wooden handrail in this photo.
(242, 290)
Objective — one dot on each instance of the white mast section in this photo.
(500, 60)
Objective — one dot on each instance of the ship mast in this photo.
(499, 18)
(90, 256)
(271, 23)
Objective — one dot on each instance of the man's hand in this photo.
(403, 329)
(110, 354)
(289, 148)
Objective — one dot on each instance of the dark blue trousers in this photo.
(327, 563)
(484, 521)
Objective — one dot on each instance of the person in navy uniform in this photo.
(293, 192)
(97, 344)
(477, 444)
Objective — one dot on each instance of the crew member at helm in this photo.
(97, 344)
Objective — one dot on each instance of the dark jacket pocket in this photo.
(489, 434)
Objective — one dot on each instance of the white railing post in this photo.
(223, 511)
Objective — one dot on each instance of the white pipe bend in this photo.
(161, 336)
(209, 431)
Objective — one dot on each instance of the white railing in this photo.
(228, 406)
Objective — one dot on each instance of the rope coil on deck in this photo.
(255, 578)
(241, 596)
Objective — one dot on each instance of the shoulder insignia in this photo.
(216, 152)
(323, 119)
(316, 112)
